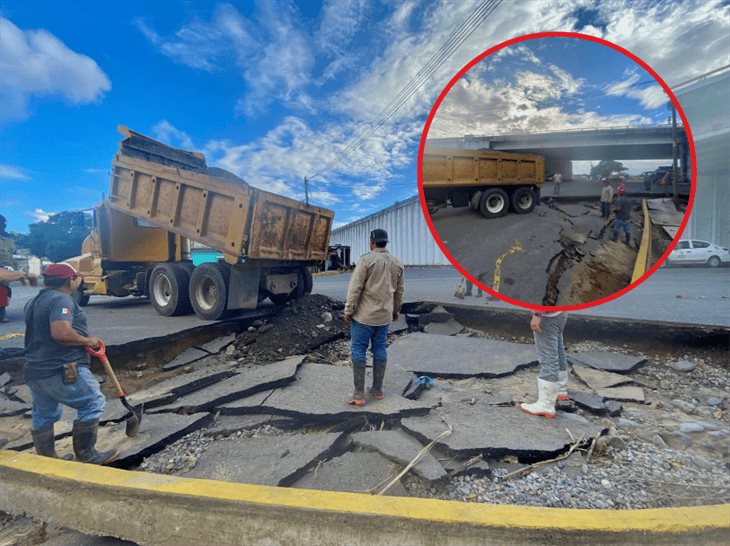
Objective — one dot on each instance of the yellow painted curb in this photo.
(657, 520)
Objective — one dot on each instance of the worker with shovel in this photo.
(373, 300)
(57, 366)
(622, 209)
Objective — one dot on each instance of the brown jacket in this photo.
(376, 288)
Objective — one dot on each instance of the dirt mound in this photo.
(300, 327)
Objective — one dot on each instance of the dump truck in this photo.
(162, 198)
(485, 180)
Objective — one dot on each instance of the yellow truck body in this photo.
(161, 199)
(486, 180)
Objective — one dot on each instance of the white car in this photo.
(698, 252)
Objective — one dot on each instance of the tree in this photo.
(7, 246)
(607, 166)
(61, 236)
(3, 226)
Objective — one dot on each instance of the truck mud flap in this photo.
(243, 288)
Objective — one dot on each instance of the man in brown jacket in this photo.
(373, 300)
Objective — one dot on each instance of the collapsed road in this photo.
(561, 254)
(647, 424)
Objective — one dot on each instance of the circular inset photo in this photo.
(556, 171)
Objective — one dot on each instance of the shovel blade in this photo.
(134, 420)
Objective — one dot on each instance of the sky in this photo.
(274, 90)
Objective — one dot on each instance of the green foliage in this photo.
(3, 226)
(607, 166)
(7, 249)
(61, 236)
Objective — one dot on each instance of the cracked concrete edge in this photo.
(157, 509)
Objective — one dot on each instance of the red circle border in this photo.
(469, 66)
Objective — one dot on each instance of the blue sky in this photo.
(272, 90)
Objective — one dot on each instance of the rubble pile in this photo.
(300, 327)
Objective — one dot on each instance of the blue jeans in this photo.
(363, 335)
(84, 396)
(625, 224)
(605, 209)
(550, 347)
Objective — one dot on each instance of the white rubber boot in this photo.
(545, 405)
(563, 386)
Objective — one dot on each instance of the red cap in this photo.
(620, 187)
(62, 271)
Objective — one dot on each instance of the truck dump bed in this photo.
(454, 167)
(176, 190)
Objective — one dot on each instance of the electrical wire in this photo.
(477, 17)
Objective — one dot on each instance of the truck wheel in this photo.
(80, 298)
(493, 203)
(209, 290)
(305, 277)
(169, 290)
(523, 200)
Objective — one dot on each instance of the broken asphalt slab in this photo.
(458, 357)
(494, 431)
(398, 325)
(225, 425)
(591, 402)
(320, 394)
(155, 433)
(448, 328)
(607, 361)
(597, 379)
(266, 460)
(401, 448)
(218, 344)
(623, 394)
(355, 472)
(248, 381)
(188, 356)
(167, 391)
(11, 407)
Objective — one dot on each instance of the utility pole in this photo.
(674, 154)
(306, 191)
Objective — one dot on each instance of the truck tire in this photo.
(305, 275)
(493, 203)
(79, 297)
(209, 290)
(305, 283)
(523, 200)
(168, 290)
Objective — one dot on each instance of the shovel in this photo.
(606, 224)
(133, 420)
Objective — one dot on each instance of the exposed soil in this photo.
(298, 328)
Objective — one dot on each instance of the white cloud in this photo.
(651, 96)
(35, 63)
(367, 191)
(324, 197)
(169, 134)
(9, 172)
(39, 215)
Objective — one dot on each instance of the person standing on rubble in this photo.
(606, 198)
(623, 215)
(57, 368)
(552, 382)
(374, 298)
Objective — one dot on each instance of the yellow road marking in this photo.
(657, 520)
(6, 337)
(517, 247)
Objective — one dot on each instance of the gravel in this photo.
(640, 476)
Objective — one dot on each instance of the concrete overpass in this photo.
(562, 147)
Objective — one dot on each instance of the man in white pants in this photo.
(552, 383)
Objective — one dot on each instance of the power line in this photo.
(477, 17)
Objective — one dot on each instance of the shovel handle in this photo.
(100, 353)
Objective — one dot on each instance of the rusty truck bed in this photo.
(175, 190)
(453, 167)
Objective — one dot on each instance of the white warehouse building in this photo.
(410, 239)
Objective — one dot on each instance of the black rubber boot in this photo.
(376, 391)
(615, 236)
(2, 315)
(358, 374)
(627, 241)
(84, 440)
(44, 441)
